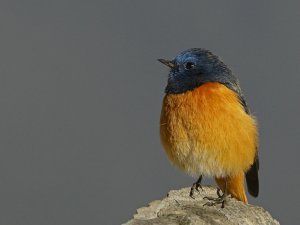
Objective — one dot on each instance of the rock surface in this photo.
(179, 208)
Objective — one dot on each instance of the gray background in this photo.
(81, 91)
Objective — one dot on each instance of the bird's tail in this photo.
(235, 186)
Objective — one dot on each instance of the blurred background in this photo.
(81, 92)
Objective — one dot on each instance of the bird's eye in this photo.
(189, 65)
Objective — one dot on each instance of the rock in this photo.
(179, 208)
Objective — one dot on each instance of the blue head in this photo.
(194, 67)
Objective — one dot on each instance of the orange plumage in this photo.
(207, 131)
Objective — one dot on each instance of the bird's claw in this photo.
(196, 187)
(218, 193)
(215, 201)
(221, 199)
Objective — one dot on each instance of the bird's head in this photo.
(194, 67)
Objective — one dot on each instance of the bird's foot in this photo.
(221, 199)
(196, 187)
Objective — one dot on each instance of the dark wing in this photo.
(252, 178)
(252, 173)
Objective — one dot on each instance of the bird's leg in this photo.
(196, 187)
(221, 199)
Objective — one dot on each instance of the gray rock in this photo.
(179, 208)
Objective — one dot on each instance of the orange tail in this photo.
(235, 186)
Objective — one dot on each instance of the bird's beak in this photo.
(167, 63)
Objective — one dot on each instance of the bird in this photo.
(206, 127)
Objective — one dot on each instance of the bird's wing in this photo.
(252, 178)
(252, 173)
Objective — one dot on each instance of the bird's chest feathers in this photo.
(200, 115)
(204, 125)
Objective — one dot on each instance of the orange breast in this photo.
(206, 131)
